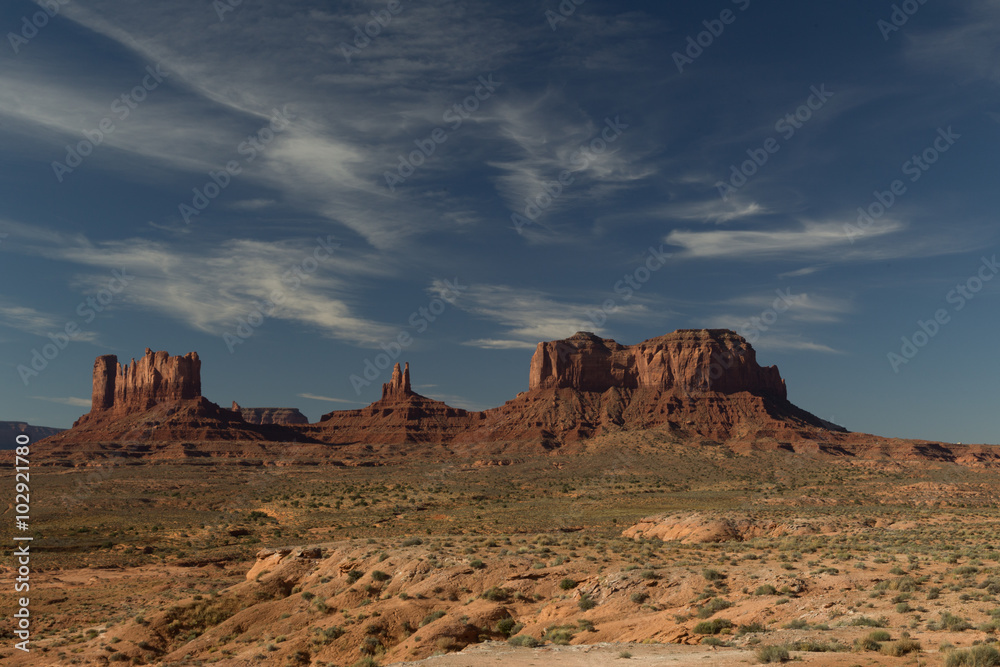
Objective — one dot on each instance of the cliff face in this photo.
(686, 361)
(155, 378)
(696, 383)
(270, 415)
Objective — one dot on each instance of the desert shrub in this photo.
(977, 656)
(902, 647)
(495, 594)
(476, 564)
(379, 575)
(868, 622)
(586, 602)
(933, 593)
(366, 661)
(523, 640)
(879, 636)
(370, 645)
(712, 641)
(412, 542)
(712, 575)
(902, 584)
(713, 627)
(586, 625)
(768, 654)
(751, 627)
(354, 575)
(953, 623)
(567, 584)
(867, 644)
(797, 624)
(559, 635)
(810, 646)
(639, 597)
(766, 589)
(431, 617)
(713, 606)
(649, 574)
(508, 626)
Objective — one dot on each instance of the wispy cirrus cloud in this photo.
(71, 400)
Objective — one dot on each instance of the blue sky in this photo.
(290, 197)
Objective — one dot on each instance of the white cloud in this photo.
(77, 402)
(314, 397)
(211, 289)
(767, 244)
(38, 323)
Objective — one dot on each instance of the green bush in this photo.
(977, 656)
(431, 617)
(639, 597)
(879, 636)
(524, 640)
(508, 626)
(954, 623)
(559, 635)
(768, 654)
(379, 575)
(766, 589)
(713, 606)
(586, 603)
(713, 627)
(902, 647)
(495, 594)
(354, 575)
(567, 584)
(867, 622)
(712, 575)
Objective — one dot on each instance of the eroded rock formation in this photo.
(270, 415)
(688, 386)
(155, 378)
(686, 361)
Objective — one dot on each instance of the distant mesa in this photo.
(270, 415)
(10, 430)
(692, 385)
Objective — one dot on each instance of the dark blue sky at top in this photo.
(321, 174)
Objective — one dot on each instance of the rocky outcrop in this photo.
(692, 386)
(158, 398)
(155, 378)
(401, 416)
(270, 415)
(686, 361)
(399, 386)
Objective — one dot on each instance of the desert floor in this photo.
(514, 561)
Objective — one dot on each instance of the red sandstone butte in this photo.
(690, 385)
